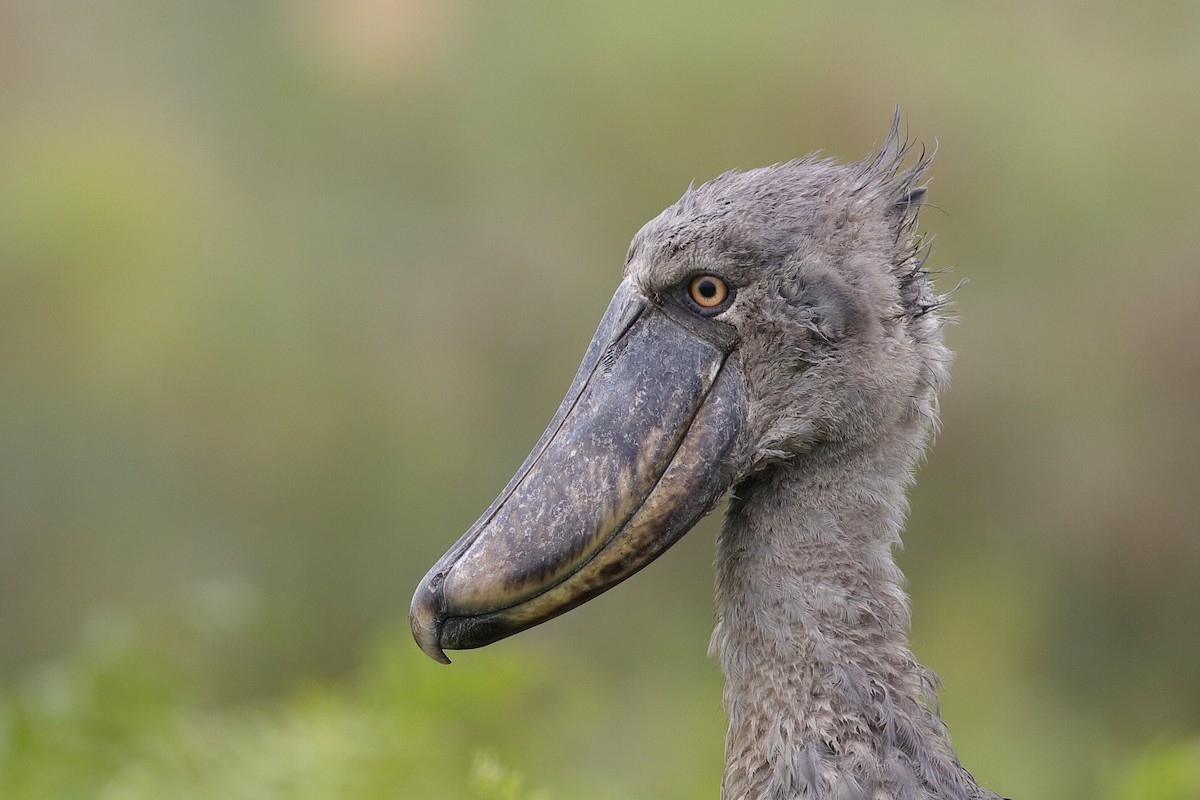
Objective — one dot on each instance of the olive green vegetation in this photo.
(287, 290)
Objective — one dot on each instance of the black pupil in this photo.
(708, 289)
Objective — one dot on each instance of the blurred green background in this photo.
(288, 290)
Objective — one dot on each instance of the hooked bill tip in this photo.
(426, 620)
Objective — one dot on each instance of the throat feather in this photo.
(822, 689)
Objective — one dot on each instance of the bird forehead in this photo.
(736, 223)
(669, 248)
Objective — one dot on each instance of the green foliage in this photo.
(491, 781)
(1167, 771)
(116, 721)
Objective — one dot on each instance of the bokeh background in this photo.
(288, 290)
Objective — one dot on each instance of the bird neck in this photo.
(824, 696)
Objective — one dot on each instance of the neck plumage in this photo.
(824, 696)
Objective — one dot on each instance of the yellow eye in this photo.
(708, 291)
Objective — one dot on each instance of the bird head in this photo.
(811, 267)
(764, 315)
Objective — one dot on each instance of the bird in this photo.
(776, 339)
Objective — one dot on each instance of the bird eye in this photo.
(708, 292)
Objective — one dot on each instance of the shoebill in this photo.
(774, 338)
